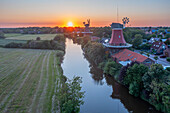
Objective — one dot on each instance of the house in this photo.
(152, 40)
(126, 55)
(95, 38)
(167, 52)
(158, 47)
(167, 31)
(153, 31)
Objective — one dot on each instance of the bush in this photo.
(14, 45)
(38, 38)
(59, 38)
(60, 53)
(111, 68)
(168, 59)
(134, 89)
(95, 52)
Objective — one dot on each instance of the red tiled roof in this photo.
(126, 54)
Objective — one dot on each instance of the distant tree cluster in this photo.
(2, 35)
(102, 31)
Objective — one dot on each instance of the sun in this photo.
(70, 24)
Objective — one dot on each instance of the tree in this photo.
(133, 78)
(160, 96)
(95, 52)
(137, 41)
(156, 32)
(161, 31)
(124, 69)
(111, 68)
(148, 55)
(2, 35)
(152, 35)
(146, 46)
(156, 58)
(128, 39)
(69, 95)
(168, 59)
(141, 52)
(156, 72)
(59, 38)
(38, 38)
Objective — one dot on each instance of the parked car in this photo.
(162, 56)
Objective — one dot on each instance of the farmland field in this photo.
(28, 80)
(30, 36)
(3, 42)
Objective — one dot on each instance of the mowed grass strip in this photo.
(39, 88)
(25, 95)
(31, 86)
(9, 97)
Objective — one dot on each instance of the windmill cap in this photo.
(116, 25)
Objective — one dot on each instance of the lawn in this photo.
(30, 36)
(28, 80)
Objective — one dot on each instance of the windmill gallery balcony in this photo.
(121, 46)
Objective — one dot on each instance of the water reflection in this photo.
(132, 103)
(103, 93)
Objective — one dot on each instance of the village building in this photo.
(117, 47)
(152, 40)
(158, 47)
(117, 41)
(126, 56)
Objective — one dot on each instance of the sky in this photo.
(25, 13)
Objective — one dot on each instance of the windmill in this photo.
(125, 21)
(88, 23)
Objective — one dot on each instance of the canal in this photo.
(102, 93)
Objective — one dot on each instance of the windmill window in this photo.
(119, 36)
(131, 57)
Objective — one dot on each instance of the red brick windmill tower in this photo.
(117, 41)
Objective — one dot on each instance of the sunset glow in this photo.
(70, 24)
(18, 13)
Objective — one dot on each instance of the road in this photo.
(159, 61)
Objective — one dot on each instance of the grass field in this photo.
(28, 80)
(30, 36)
(3, 42)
